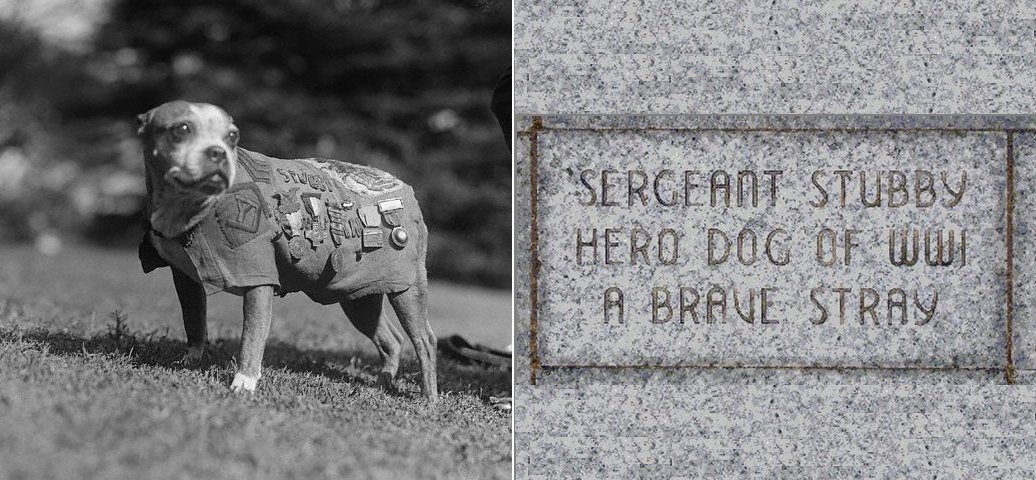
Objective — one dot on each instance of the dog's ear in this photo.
(143, 122)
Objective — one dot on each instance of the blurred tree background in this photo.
(399, 85)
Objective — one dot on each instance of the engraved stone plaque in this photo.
(836, 242)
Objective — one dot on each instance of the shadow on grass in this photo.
(345, 366)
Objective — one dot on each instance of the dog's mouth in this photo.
(210, 185)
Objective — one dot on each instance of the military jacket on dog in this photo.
(334, 230)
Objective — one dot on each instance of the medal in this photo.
(370, 216)
(399, 237)
(390, 205)
(336, 223)
(338, 259)
(298, 247)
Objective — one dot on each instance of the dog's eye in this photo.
(232, 137)
(180, 131)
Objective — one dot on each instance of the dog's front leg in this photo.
(193, 305)
(258, 309)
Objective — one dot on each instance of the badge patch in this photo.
(287, 202)
(240, 213)
(289, 211)
(257, 168)
(373, 238)
(370, 216)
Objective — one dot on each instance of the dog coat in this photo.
(333, 230)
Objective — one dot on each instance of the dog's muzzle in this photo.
(211, 184)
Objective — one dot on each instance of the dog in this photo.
(227, 219)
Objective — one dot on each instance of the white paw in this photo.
(243, 382)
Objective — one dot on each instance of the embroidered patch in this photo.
(317, 181)
(240, 214)
(357, 178)
(257, 168)
(371, 179)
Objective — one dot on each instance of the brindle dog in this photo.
(190, 155)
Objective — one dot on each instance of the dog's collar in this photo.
(185, 238)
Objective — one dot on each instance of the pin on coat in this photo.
(228, 219)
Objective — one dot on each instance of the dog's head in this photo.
(190, 147)
(190, 155)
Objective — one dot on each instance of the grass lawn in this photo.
(85, 396)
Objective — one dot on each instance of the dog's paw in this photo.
(243, 383)
(193, 357)
(504, 404)
(387, 382)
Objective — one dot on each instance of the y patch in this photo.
(240, 214)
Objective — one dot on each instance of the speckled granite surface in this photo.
(777, 420)
(876, 56)
(1024, 346)
(807, 122)
(522, 259)
(927, 418)
(775, 431)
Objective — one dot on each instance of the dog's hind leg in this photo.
(365, 313)
(411, 307)
(193, 305)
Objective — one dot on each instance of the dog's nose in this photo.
(216, 154)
